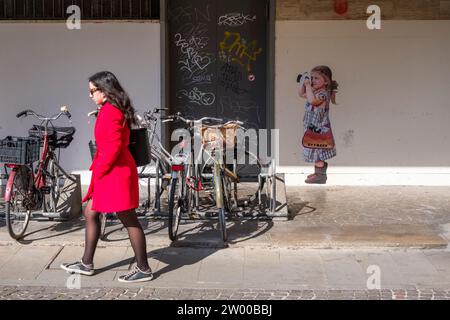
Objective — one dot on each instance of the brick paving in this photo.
(145, 293)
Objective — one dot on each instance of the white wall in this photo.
(391, 123)
(45, 65)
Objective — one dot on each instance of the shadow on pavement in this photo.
(115, 227)
(299, 209)
(56, 229)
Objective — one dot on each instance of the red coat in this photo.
(114, 183)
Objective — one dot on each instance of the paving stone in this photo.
(28, 262)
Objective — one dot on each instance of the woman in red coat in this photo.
(114, 183)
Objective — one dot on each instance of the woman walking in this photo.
(114, 183)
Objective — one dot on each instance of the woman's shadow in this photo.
(196, 242)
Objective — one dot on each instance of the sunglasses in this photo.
(92, 91)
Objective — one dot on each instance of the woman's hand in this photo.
(307, 82)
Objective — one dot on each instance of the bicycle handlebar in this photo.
(178, 116)
(23, 113)
(64, 111)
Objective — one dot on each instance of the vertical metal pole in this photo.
(157, 188)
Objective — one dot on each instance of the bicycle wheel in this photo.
(18, 208)
(51, 181)
(55, 178)
(228, 197)
(219, 197)
(175, 203)
(247, 168)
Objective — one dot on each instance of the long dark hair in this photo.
(332, 84)
(115, 94)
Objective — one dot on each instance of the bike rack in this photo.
(268, 175)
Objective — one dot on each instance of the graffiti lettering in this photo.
(240, 108)
(201, 79)
(243, 53)
(187, 13)
(198, 97)
(229, 78)
(192, 62)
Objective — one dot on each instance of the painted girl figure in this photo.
(319, 89)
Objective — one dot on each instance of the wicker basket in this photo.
(226, 134)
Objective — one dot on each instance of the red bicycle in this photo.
(29, 190)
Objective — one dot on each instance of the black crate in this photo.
(18, 150)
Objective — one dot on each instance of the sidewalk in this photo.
(337, 238)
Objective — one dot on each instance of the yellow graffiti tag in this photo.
(244, 54)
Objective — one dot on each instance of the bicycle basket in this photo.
(18, 150)
(59, 137)
(227, 134)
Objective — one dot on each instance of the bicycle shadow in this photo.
(56, 229)
(116, 227)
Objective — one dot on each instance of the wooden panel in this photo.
(444, 10)
(416, 9)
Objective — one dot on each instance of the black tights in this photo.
(129, 220)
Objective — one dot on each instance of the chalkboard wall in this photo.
(218, 59)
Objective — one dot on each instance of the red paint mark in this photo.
(341, 6)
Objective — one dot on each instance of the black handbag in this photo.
(139, 147)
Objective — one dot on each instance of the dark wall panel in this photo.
(218, 59)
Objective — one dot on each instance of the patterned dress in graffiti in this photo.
(318, 117)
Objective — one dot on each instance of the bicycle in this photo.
(28, 190)
(218, 138)
(184, 182)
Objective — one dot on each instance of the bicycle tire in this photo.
(20, 179)
(219, 197)
(51, 180)
(246, 172)
(222, 224)
(55, 179)
(175, 207)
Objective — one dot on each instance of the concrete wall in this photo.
(45, 65)
(391, 121)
